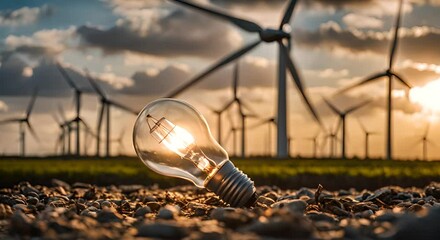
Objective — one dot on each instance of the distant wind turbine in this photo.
(106, 104)
(24, 123)
(368, 134)
(282, 37)
(389, 73)
(314, 140)
(342, 115)
(269, 122)
(77, 120)
(424, 140)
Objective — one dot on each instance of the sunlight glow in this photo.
(428, 96)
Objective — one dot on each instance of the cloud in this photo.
(47, 42)
(170, 33)
(253, 72)
(352, 20)
(23, 16)
(3, 106)
(17, 78)
(416, 43)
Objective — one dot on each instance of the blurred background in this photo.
(136, 51)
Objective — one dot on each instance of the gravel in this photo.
(85, 211)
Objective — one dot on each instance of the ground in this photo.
(84, 211)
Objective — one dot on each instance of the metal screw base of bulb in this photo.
(232, 186)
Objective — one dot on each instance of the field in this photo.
(288, 173)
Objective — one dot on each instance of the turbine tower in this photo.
(106, 104)
(269, 123)
(342, 115)
(77, 120)
(424, 140)
(314, 141)
(389, 73)
(368, 134)
(269, 35)
(24, 124)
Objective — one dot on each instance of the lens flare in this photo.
(427, 96)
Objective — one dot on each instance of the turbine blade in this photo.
(362, 125)
(61, 112)
(119, 105)
(288, 13)
(297, 81)
(235, 80)
(219, 64)
(31, 103)
(396, 35)
(227, 105)
(100, 118)
(356, 107)
(94, 85)
(10, 120)
(33, 133)
(331, 106)
(66, 77)
(241, 23)
(362, 82)
(427, 129)
(338, 125)
(402, 81)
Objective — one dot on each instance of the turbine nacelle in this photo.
(272, 35)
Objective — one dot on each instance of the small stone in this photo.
(5, 211)
(294, 206)
(59, 183)
(265, 200)
(168, 212)
(272, 195)
(33, 201)
(107, 216)
(106, 204)
(140, 212)
(162, 230)
(155, 206)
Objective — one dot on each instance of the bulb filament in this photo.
(179, 141)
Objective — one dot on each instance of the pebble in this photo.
(294, 206)
(161, 230)
(84, 211)
(140, 212)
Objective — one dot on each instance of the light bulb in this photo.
(173, 138)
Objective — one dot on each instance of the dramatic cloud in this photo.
(23, 16)
(352, 20)
(416, 43)
(174, 33)
(48, 42)
(253, 72)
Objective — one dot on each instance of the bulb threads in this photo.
(232, 186)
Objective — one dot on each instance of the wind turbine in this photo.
(368, 134)
(24, 124)
(78, 92)
(61, 140)
(342, 115)
(120, 142)
(389, 73)
(106, 104)
(282, 37)
(269, 122)
(314, 140)
(425, 141)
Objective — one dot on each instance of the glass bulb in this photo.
(173, 138)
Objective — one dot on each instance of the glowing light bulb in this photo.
(172, 138)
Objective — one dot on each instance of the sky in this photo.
(140, 50)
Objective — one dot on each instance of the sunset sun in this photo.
(428, 96)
